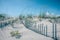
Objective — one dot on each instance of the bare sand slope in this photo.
(26, 34)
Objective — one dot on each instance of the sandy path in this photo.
(26, 34)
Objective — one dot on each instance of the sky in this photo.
(34, 7)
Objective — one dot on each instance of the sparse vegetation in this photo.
(21, 17)
(15, 34)
(2, 16)
(29, 16)
(42, 15)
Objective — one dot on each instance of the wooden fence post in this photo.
(1, 25)
(55, 32)
(38, 27)
(42, 28)
(35, 26)
(52, 30)
(46, 30)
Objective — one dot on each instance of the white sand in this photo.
(26, 33)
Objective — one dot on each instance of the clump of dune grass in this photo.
(15, 34)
